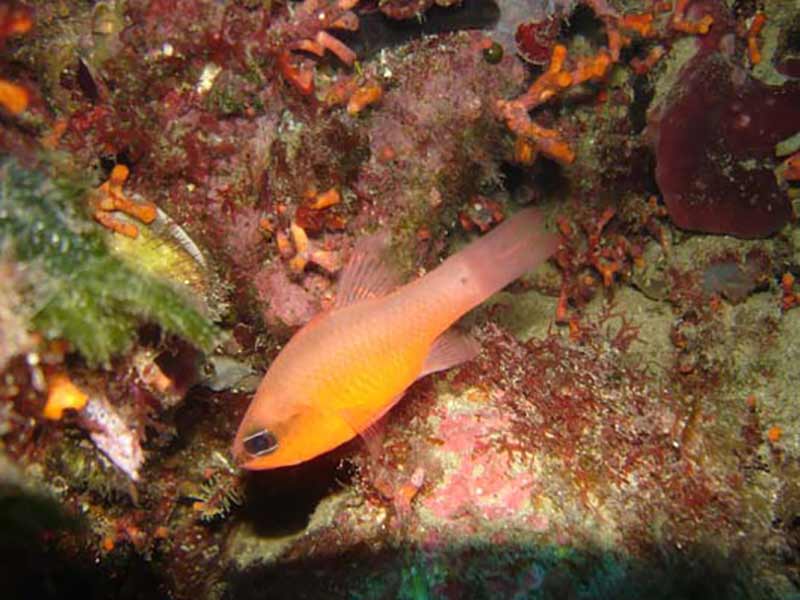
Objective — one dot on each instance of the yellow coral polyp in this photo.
(62, 394)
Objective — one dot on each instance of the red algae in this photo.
(715, 149)
(404, 9)
(287, 304)
(535, 39)
(608, 437)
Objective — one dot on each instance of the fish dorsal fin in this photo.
(368, 273)
(448, 350)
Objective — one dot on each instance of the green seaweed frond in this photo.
(85, 294)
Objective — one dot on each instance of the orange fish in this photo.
(348, 366)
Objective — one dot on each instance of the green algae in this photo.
(84, 293)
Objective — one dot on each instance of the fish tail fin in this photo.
(511, 249)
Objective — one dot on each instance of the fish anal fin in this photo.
(448, 350)
(368, 273)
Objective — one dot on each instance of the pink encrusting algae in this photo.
(483, 481)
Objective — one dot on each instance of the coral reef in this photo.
(181, 183)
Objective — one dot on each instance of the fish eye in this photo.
(260, 443)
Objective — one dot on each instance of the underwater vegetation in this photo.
(85, 295)
(182, 185)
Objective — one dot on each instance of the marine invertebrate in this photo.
(682, 23)
(756, 25)
(365, 95)
(592, 255)
(535, 138)
(62, 394)
(305, 29)
(535, 39)
(114, 435)
(791, 168)
(774, 434)
(109, 198)
(221, 491)
(13, 97)
(641, 66)
(560, 76)
(789, 298)
(14, 20)
(600, 455)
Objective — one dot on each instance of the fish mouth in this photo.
(240, 457)
(248, 462)
(251, 465)
(255, 463)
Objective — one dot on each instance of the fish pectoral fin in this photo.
(367, 424)
(373, 437)
(448, 350)
(368, 273)
(360, 418)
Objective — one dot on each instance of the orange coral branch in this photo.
(62, 394)
(679, 22)
(306, 31)
(14, 21)
(640, 23)
(789, 298)
(300, 238)
(14, 98)
(326, 199)
(342, 52)
(550, 83)
(301, 78)
(792, 168)
(110, 197)
(560, 76)
(364, 96)
(753, 51)
(549, 143)
(642, 66)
